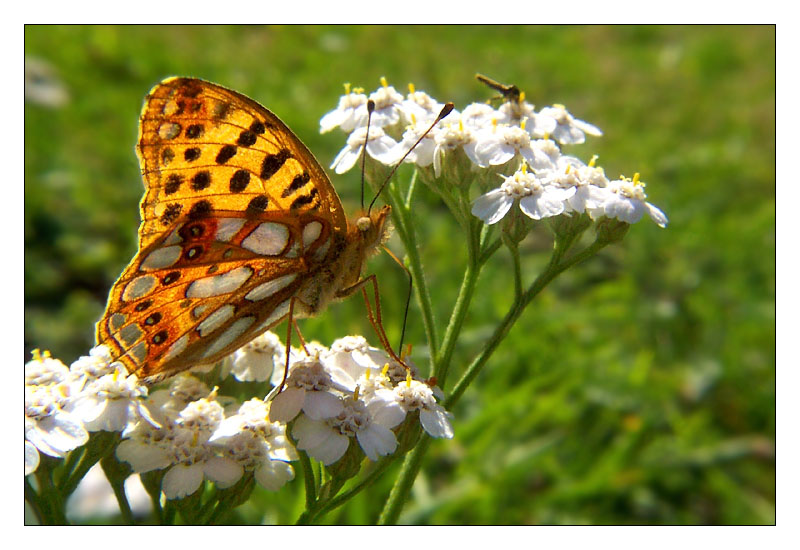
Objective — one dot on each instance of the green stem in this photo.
(51, 498)
(408, 235)
(402, 486)
(34, 501)
(461, 307)
(382, 466)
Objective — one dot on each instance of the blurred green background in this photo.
(638, 389)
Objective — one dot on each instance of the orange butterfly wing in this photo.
(237, 216)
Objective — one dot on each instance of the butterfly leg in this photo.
(376, 320)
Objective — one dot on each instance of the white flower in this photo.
(308, 388)
(44, 370)
(91, 367)
(256, 360)
(380, 147)
(166, 404)
(349, 115)
(327, 440)
(479, 115)
(31, 458)
(418, 396)
(183, 446)
(625, 200)
(419, 105)
(569, 130)
(537, 200)
(501, 144)
(449, 139)
(573, 173)
(256, 444)
(350, 357)
(51, 429)
(111, 402)
(388, 104)
(422, 154)
(514, 113)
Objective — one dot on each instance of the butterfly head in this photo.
(374, 229)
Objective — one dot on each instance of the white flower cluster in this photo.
(62, 405)
(331, 395)
(351, 391)
(513, 137)
(198, 437)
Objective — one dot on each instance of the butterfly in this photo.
(240, 226)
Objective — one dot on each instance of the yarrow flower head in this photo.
(568, 130)
(256, 360)
(349, 115)
(625, 200)
(380, 147)
(537, 199)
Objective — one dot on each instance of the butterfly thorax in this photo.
(342, 268)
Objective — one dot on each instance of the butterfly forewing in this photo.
(237, 216)
(201, 146)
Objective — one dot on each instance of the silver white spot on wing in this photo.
(216, 320)
(176, 348)
(139, 288)
(116, 321)
(161, 258)
(130, 334)
(139, 352)
(217, 285)
(199, 310)
(265, 290)
(227, 228)
(311, 233)
(234, 331)
(268, 239)
(280, 311)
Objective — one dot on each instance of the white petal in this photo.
(222, 471)
(320, 405)
(387, 414)
(540, 206)
(319, 440)
(141, 457)
(590, 129)
(492, 206)
(376, 441)
(273, 474)
(624, 209)
(287, 405)
(31, 458)
(657, 215)
(436, 423)
(331, 120)
(346, 159)
(62, 433)
(180, 480)
(382, 149)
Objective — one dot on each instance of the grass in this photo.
(640, 387)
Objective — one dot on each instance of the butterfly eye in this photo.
(364, 224)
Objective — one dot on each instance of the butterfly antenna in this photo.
(408, 296)
(448, 107)
(370, 109)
